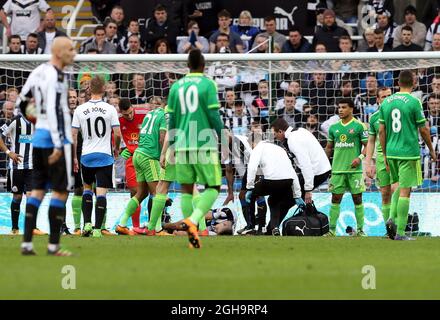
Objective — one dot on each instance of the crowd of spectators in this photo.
(304, 99)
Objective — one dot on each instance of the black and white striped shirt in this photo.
(48, 86)
(20, 132)
(238, 124)
(241, 152)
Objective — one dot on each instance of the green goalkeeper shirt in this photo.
(149, 135)
(193, 107)
(402, 115)
(347, 142)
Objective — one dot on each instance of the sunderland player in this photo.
(160, 200)
(401, 119)
(19, 131)
(131, 122)
(194, 120)
(345, 141)
(52, 165)
(146, 163)
(376, 166)
(96, 119)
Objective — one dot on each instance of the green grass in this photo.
(225, 268)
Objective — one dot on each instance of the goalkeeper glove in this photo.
(126, 154)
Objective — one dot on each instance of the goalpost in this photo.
(261, 81)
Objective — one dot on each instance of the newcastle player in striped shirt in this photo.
(52, 150)
(19, 132)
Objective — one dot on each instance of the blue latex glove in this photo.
(300, 202)
(264, 113)
(126, 154)
(248, 196)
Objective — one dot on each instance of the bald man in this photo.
(52, 150)
(49, 33)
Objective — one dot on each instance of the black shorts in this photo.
(78, 180)
(101, 176)
(58, 176)
(19, 181)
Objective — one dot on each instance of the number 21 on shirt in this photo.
(148, 127)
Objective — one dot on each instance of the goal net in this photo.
(256, 89)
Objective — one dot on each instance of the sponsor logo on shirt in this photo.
(343, 137)
(23, 13)
(344, 145)
(25, 138)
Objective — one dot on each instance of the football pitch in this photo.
(225, 268)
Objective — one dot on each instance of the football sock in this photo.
(100, 209)
(57, 211)
(202, 222)
(159, 224)
(207, 199)
(334, 216)
(261, 212)
(76, 210)
(132, 205)
(359, 213)
(87, 206)
(245, 209)
(135, 218)
(402, 215)
(53, 247)
(156, 210)
(386, 211)
(394, 202)
(15, 212)
(30, 221)
(103, 220)
(150, 204)
(187, 204)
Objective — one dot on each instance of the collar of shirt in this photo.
(288, 132)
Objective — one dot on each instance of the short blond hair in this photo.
(245, 14)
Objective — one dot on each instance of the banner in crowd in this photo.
(425, 204)
(288, 13)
